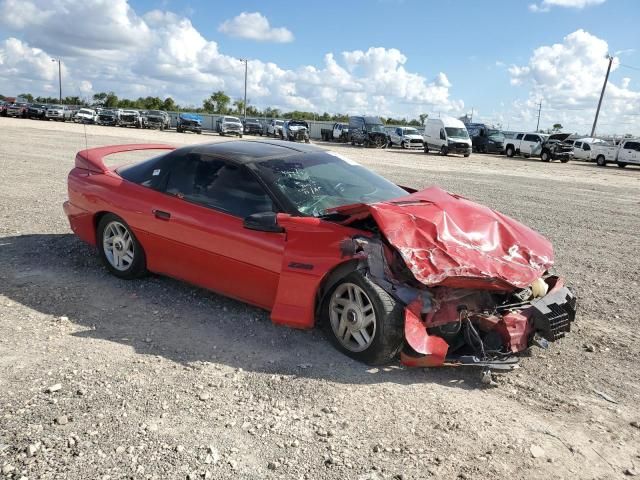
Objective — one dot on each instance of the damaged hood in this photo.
(447, 240)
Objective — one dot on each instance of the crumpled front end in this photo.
(474, 327)
(475, 283)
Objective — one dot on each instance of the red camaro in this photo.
(314, 237)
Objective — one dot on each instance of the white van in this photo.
(446, 135)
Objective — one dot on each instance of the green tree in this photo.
(73, 101)
(111, 100)
(557, 127)
(239, 106)
(423, 118)
(169, 105)
(218, 102)
(100, 97)
(27, 96)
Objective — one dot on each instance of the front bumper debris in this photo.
(497, 335)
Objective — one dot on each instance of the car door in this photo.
(201, 220)
(627, 152)
(528, 143)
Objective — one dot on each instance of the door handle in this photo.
(162, 215)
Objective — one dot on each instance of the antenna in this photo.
(86, 142)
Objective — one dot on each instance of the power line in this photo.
(629, 66)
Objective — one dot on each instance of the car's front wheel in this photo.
(363, 321)
(119, 248)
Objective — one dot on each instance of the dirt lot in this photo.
(107, 379)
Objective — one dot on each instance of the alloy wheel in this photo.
(353, 317)
(118, 246)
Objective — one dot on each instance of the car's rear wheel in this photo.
(443, 150)
(426, 148)
(601, 161)
(119, 248)
(622, 164)
(545, 157)
(363, 321)
(510, 152)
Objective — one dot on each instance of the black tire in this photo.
(138, 266)
(389, 333)
(564, 160)
(199, 132)
(403, 146)
(240, 135)
(426, 148)
(466, 155)
(622, 164)
(510, 152)
(443, 151)
(601, 161)
(545, 157)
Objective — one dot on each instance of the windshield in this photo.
(320, 181)
(84, 110)
(231, 119)
(56, 106)
(456, 132)
(411, 131)
(154, 112)
(279, 122)
(497, 137)
(375, 128)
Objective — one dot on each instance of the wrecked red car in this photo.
(314, 237)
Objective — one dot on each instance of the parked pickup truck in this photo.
(555, 147)
(405, 137)
(59, 113)
(130, 118)
(338, 133)
(548, 147)
(627, 152)
(17, 110)
(582, 148)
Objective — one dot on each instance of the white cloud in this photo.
(255, 26)
(546, 5)
(567, 77)
(174, 59)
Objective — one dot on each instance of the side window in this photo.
(398, 131)
(632, 146)
(443, 136)
(586, 147)
(149, 173)
(519, 136)
(219, 185)
(577, 145)
(531, 138)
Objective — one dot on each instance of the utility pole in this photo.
(59, 76)
(471, 118)
(245, 87)
(604, 86)
(539, 110)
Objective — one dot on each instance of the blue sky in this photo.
(475, 45)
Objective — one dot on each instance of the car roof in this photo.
(249, 151)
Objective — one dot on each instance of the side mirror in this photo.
(263, 222)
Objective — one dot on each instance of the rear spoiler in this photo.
(93, 158)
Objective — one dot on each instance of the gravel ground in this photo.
(106, 379)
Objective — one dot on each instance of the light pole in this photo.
(604, 86)
(245, 61)
(59, 76)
